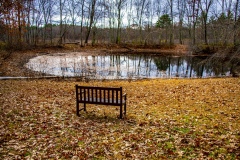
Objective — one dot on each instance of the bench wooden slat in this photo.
(100, 95)
(80, 92)
(91, 92)
(113, 96)
(95, 94)
(87, 93)
(84, 93)
(117, 97)
(104, 91)
(108, 94)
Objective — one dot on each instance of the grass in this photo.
(166, 119)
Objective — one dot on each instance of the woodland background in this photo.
(211, 23)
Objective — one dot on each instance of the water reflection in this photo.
(127, 66)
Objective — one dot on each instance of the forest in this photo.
(214, 23)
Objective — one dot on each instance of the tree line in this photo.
(135, 22)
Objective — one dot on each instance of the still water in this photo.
(127, 66)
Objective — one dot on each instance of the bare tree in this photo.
(35, 23)
(140, 8)
(205, 7)
(82, 4)
(236, 16)
(61, 5)
(46, 8)
(170, 3)
(181, 12)
(158, 7)
(120, 4)
(111, 12)
(149, 30)
(91, 12)
(29, 8)
(192, 14)
(72, 9)
(222, 24)
(129, 10)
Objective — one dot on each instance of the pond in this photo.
(128, 66)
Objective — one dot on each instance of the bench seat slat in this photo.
(101, 101)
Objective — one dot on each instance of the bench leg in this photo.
(85, 107)
(125, 109)
(77, 109)
(125, 105)
(121, 116)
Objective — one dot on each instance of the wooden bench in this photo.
(102, 96)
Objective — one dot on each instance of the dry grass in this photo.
(166, 119)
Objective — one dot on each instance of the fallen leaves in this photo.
(166, 119)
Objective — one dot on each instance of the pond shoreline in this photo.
(12, 63)
(126, 66)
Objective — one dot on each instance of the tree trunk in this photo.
(119, 22)
(92, 13)
(81, 27)
(171, 40)
(61, 25)
(235, 23)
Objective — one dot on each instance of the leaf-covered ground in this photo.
(166, 119)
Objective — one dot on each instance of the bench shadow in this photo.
(105, 118)
(93, 115)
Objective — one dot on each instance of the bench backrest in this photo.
(99, 95)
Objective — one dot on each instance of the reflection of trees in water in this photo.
(197, 66)
(172, 66)
(160, 66)
(210, 66)
(162, 63)
(135, 66)
(148, 62)
(114, 65)
(217, 65)
(191, 66)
